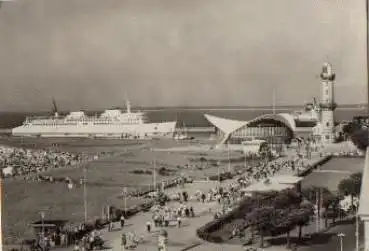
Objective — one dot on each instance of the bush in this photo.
(360, 139)
(141, 172)
(221, 177)
(224, 225)
(208, 231)
(165, 171)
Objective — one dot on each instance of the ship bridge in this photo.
(111, 113)
(76, 115)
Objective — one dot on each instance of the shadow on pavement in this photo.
(342, 222)
(176, 244)
(320, 238)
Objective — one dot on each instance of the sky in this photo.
(90, 54)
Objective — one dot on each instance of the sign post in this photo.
(341, 235)
(125, 200)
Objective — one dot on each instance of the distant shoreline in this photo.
(155, 109)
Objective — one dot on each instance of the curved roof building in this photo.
(280, 128)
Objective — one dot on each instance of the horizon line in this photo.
(209, 107)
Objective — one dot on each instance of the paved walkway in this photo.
(178, 238)
(333, 171)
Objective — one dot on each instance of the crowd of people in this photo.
(352, 153)
(19, 161)
(80, 236)
(35, 161)
(263, 171)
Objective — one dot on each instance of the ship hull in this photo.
(148, 130)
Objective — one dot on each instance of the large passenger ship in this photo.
(112, 123)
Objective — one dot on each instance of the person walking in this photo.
(148, 226)
(218, 198)
(124, 241)
(192, 212)
(203, 197)
(122, 220)
(179, 221)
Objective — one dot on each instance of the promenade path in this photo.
(185, 236)
(178, 238)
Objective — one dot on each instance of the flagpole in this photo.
(154, 173)
(367, 51)
(42, 229)
(357, 229)
(273, 100)
(229, 159)
(1, 200)
(85, 192)
(317, 222)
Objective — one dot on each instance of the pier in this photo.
(4, 131)
(200, 129)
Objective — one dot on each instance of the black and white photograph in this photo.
(184, 125)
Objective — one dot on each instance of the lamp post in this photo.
(357, 230)
(367, 49)
(42, 214)
(1, 228)
(245, 159)
(85, 192)
(218, 175)
(229, 159)
(154, 173)
(341, 235)
(125, 200)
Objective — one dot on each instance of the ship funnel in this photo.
(128, 106)
(55, 108)
(128, 103)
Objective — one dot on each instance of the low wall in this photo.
(168, 183)
(314, 165)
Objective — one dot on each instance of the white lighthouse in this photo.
(327, 105)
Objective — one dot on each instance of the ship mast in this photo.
(273, 101)
(55, 108)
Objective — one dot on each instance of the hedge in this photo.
(221, 177)
(209, 231)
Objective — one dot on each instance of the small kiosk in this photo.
(48, 228)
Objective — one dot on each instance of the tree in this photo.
(302, 217)
(336, 208)
(261, 220)
(356, 180)
(351, 128)
(329, 199)
(311, 192)
(288, 223)
(351, 186)
(288, 197)
(360, 139)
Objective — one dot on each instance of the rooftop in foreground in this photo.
(364, 194)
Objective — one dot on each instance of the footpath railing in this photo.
(314, 165)
(144, 190)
